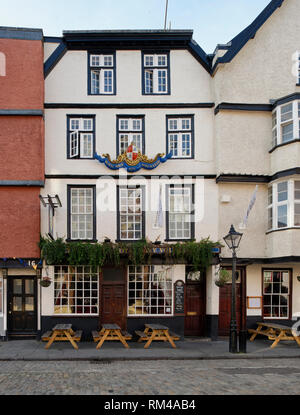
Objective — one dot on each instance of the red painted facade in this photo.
(21, 147)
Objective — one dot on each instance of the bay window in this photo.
(286, 123)
(284, 205)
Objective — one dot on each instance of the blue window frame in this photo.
(130, 130)
(155, 73)
(101, 73)
(180, 136)
(80, 136)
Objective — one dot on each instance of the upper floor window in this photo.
(102, 73)
(180, 136)
(284, 205)
(180, 223)
(286, 123)
(130, 130)
(156, 74)
(131, 213)
(81, 136)
(81, 213)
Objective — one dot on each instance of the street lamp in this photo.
(233, 240)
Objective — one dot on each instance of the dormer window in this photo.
(156, 74)
(102, 74)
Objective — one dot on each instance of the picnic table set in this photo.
(110, 332)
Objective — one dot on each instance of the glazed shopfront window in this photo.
(150, 290)
(276, 293)
(75, 290)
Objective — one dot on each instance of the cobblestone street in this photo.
(195, 377)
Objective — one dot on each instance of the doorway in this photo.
(194, 322)
(22, 305)
(113, 297)
(225, 304)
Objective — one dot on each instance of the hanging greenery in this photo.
(58, 252)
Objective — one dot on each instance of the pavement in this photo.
(187, 349)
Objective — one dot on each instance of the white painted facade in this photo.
(233, 143)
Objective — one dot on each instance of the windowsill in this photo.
(296, 140)
(180, 240)
(283, 229)
(75, 315)
(275, 318)
(151, 316)
(81, 240)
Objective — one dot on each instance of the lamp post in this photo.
(233, 241)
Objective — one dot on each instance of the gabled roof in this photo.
(239, 41)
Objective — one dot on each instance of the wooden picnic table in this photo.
(156, 332)
(62, 332)
(276, 332)
(111, 332)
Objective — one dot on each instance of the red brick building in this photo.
(21, 176)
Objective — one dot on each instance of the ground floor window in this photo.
(75, 290)
(276, 294)
(150, 290)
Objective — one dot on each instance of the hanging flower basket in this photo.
(224, 277)
(45, 282)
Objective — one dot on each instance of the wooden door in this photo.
(22, 315)
(113, 301)
(194, 323)
(225, 307)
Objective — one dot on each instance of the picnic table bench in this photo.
(62, 332)
(276, 332)
(156, 332)
(111, 332)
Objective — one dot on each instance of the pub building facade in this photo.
(129, 152)
(147, 136)
(21, 177)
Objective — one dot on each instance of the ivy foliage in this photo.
(59, 252)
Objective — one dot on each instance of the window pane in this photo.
(282, 189)
(282, 216)
(162, 81)
(297, 214)
(130, 211)
(108, 81)
(286, 112)
(95, 80)
(149, 81)
(287, 132)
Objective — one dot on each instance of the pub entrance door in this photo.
(22, 305)
(113, 297)
(225, 304)
(194, 322)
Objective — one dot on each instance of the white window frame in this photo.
(180, 211)
(62, 291)
(87, 211)
(123, 212)
(277, 136)
(101, 69)
(180, 131)
(140, 306)
(288, 294)
(154, 70)
(290, 203)
(76, 137)
(135, 135)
